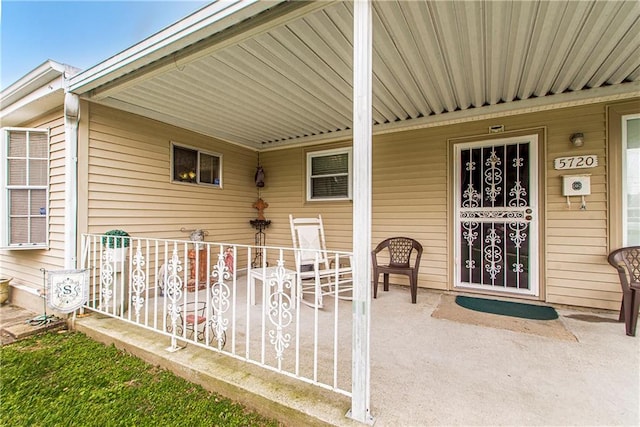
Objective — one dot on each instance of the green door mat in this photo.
(507, 308)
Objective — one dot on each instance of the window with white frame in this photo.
(631, 180)
(190, 165)
(25, 188)
(329, 175)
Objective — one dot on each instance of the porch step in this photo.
(30, 298)
(17, 323)
(276, 396)
(26, 296)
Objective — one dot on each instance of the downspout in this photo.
(71, 120)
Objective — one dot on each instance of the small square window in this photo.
(196, 167)
(329, 175)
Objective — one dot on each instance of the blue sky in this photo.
(78, 33)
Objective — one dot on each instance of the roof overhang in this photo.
(166, 44)
(38, 92)
(268, 75)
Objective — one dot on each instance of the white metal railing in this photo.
(206, 294)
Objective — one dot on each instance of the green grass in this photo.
(67, 379)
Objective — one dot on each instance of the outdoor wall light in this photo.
(577, 139)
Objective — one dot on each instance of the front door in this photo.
(496, 215)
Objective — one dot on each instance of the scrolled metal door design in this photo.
(494, 216)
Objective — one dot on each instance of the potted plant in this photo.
(116, 243)
(4, 289)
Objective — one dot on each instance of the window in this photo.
(196, 167)
(329, 175)
(631, 180)
(25, 187)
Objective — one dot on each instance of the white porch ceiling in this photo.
(293, 82)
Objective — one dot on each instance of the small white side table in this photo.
(257, 274)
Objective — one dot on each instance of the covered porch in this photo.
(429, 371)
(278, 84)
(270, 84)
(293, 361)
(266, 85)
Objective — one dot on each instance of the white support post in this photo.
(362, 127)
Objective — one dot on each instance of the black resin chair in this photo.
(399, 251)
(627, 262)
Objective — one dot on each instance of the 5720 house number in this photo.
(576, 162)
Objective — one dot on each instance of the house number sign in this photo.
(576, 162)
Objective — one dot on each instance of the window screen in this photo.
(209, 169)
(329, 175)
(196, 167)
(26, 156)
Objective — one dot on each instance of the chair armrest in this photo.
(382, 245)
(374, 260)
(416, 265)
(616, 263)
(332, 263)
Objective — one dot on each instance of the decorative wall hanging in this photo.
(259, 177)
(260, 223)
(261, 205)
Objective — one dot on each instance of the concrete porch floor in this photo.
(429, 371)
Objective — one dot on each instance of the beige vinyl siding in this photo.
(129, 182)
(410, 198)
(577, 270)
(412, 184)
(125, 183)
(285, 191)
(129, 187)
(24, 265)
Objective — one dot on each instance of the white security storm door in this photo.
(496, 215)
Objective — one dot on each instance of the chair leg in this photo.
(386, 282)
(375, 285)
(414, 288)
(621, 316)
(318, 294)
(626, 310)
(252, 289)
(631, 319)
(199, 333)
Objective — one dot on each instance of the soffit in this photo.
(293, 82)
(39, 91)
